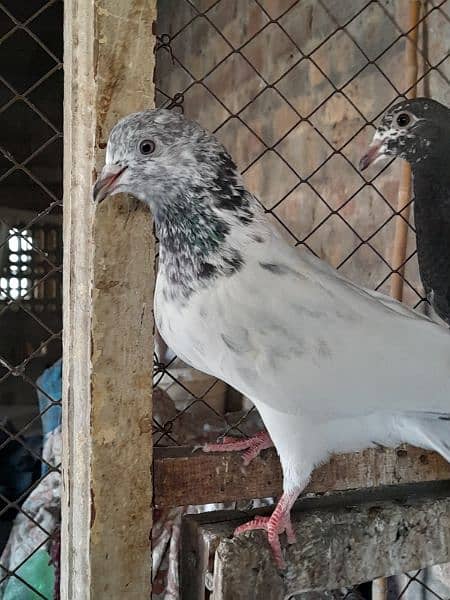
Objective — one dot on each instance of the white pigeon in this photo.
(332, 367)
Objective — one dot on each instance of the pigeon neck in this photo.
(431, 182)
(199, 241)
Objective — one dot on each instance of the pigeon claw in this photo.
(251, 447)
(274, 526)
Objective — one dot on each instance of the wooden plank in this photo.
(401, 220)
(380, 588)
(196, 553)
(202, 533)
(182, 477)
(338, 546)
(107, 491)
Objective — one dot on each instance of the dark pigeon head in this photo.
(416, 130)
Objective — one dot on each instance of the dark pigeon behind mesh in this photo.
(432, 221)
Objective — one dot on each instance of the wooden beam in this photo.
(182, 477)
(338, 546)
(108, 324)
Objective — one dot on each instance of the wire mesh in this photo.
(31, 87)
(294, 89)
(296, 118)
(430, 584)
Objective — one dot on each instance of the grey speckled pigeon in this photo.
(419, 131)
(331, 367)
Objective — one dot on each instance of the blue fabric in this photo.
(50, 382)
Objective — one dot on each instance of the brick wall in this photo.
(266, 112)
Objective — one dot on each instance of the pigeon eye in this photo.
(403, 120)
(147, 147)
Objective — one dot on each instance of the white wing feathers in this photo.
(291, 332)
(305, 340)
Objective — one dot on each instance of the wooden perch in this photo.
(182, 477)
(404, 189)
(337, 546)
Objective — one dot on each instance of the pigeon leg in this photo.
(290, 533)
(278, 523)
(251, 446)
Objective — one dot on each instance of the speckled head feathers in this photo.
(159, 155)
(192, 187)
(167, 128)
(415, 130)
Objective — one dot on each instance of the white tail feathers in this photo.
(426, 430)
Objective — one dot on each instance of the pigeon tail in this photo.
(427, 430)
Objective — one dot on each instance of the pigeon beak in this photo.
(376, 150)
(107, 182)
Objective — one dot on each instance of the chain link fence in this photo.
(31, 107)
(294, 90)
(297, 118)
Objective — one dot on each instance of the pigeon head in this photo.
(166, 161)
(201, 208)
(415, 130)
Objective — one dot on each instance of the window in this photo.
(30, 266)
(15, 280)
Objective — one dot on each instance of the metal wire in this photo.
(31, 244)
(207, 41)
(42, 294)
(419, 578)
(233, 44)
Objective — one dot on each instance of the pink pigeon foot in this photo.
(251, 446)
(279, 522)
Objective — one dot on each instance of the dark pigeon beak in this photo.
(107, 182)
(375, 150)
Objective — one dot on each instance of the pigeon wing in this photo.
(303, 339)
